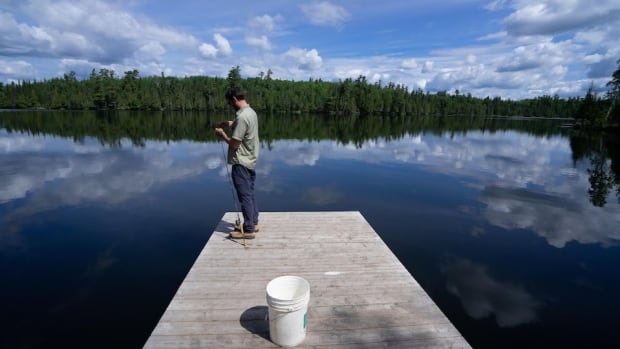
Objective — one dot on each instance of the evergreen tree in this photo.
(614, 95)
(591, 112)
(129, 90)
(234, 77)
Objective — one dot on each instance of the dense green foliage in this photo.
(595, 112)
(592, 111)
(104, 91)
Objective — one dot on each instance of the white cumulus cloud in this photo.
(223, 48)
(207, 50)
(535, 17)
(112, 34)
(259, 42)
(305, 59)
(409, 64)
(325, 13)
(223, 45)
(264, 23)
(16, 68)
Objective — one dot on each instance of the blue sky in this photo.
(508, 48)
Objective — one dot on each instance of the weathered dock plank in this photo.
(361, 296)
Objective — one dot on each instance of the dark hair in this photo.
(235, 92)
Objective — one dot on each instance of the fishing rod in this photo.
(232, 187)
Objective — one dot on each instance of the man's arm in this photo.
(230, 141)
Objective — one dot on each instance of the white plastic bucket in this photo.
(288, 297)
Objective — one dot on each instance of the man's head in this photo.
(235, 97)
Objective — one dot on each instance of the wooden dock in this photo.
(361, 296)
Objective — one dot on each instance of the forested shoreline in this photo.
(103, 90)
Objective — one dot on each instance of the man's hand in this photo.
(224, 124)
(231, 141)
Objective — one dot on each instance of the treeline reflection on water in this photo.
(601, 150)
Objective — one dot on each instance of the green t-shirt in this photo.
(245, 129)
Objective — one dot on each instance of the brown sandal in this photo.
(239, 235)
(256, 229)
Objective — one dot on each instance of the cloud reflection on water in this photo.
(67, 174)
(525, 181)
(559, 219)
(483, 296)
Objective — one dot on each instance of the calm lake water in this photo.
(511, 226)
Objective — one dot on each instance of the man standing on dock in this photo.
(243, 148)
